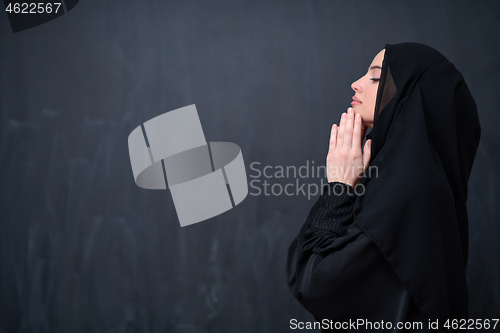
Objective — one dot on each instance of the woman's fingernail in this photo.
(349, 110)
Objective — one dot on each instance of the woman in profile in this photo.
(391, 245)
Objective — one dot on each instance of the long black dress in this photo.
(333, 259)
(399, 251)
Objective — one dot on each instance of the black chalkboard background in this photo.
(83, 249)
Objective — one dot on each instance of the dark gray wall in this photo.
(83, 249)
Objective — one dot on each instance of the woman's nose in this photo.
(356, 86)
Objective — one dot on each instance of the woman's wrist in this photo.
(338, 188)
(346, 182)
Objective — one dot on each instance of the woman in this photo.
(391, 244)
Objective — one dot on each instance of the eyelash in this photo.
(374, 80)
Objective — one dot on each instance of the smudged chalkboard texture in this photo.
(83, 249)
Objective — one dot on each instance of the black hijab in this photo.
(424, 140)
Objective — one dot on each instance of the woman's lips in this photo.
(355, 101)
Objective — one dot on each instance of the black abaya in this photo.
(337, 273)
(400, 249)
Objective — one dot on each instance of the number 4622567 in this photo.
(33, 8)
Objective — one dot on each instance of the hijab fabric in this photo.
(424, 140)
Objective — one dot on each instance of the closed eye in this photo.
(374, 79)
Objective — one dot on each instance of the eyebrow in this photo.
(374, 67)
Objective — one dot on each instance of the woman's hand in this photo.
(345, 162)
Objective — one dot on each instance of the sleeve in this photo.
(329, 218)
(334, 269)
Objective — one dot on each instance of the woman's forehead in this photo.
(379, 57)
(377, 61)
